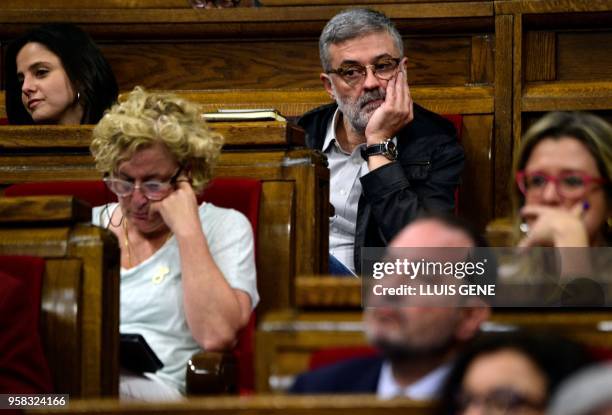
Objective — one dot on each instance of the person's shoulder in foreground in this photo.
(356, 375)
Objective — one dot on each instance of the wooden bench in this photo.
(327, 313)
(473, 103)
(268, 57)
(252, 405)
(80, 298)
(294, 210)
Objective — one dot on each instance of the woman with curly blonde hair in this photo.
(187, 271)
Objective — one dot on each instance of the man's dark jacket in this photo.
(358, 375)
(424, 177)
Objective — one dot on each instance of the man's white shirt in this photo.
(426, 388)
(345, 190)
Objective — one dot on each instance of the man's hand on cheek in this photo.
(395, 112)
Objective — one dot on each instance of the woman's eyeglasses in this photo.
(354, 73)
(498, 402)
(154, 190)
(571, 185)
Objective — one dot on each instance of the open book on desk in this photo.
(265, 114)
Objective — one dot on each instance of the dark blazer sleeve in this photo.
(422, 179)
(358, 375)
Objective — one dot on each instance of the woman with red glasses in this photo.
(563, 172)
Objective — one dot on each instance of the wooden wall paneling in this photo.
(2, 87)
(476, 194)
(503, 120)
(567, 96)
(268, 3)
(61, 313)
(540, 56)
(275, 63)
(438, 60)
(98, 4)
(556, 6)
(256, 48)
(232, 22)
(267, 63)
(276, 235)
(585, 56)
(482, 65)
(517, 83)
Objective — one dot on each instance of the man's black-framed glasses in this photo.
(154, 190)
(355, 73)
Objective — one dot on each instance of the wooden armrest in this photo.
(212, 373)
(499, 232)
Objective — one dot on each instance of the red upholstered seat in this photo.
(331, 355)
(457, 120)
(241, 194)
(23, 366)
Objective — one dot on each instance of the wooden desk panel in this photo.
(285, 340)
(252, 405)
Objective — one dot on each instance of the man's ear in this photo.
(327, 85)
(473, 314)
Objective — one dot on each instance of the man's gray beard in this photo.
(354, 112)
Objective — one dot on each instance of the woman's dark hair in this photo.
(90, 74)
(556, 357)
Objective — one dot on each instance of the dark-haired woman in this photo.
(55, 74)
(510, 373)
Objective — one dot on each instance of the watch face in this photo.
(391, 150)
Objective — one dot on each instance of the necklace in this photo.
(126, 242)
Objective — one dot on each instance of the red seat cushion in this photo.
(331, 355)
(237, 193)
(23, 366)
(457, 120)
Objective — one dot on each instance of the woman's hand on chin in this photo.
(555, 226)
(179, 210)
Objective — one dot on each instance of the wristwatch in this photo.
(387, 148)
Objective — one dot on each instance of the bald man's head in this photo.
(411, 333)
(433, 232)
